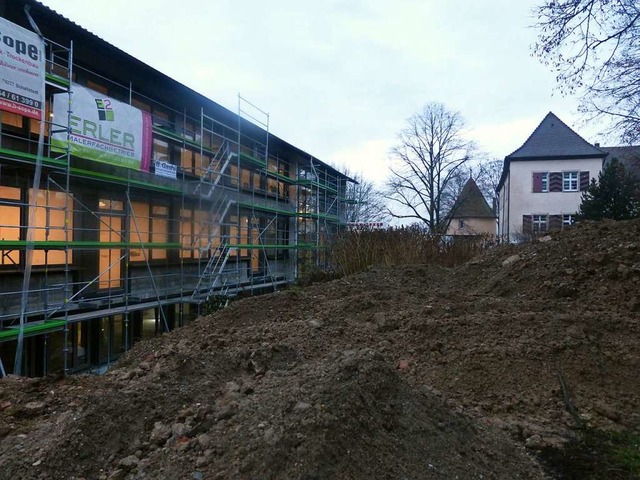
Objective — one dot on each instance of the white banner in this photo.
(164, 169)
(22, 66)
(103, 129)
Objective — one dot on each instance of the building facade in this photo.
(471, 215)
(151, 199)
(542, 182)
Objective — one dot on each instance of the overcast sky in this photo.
(340, 78)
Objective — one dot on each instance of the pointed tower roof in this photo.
(471, 203)
(553, 139)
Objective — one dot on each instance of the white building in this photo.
(542, 181)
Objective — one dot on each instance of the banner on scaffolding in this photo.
(165, 169)
(22, 66)
(102, 129)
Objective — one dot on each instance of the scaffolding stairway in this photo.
(210, 178)
(209, 281)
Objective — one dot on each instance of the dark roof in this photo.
(105, 59)
(471, 203)
(551, 140)
(629, 156)
(554, 139)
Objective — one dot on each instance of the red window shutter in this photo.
(537, 182)
(584, 181)
(555, 181)
(527, 224)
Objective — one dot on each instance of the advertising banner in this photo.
(103, 129)
(22, 66)
(164, 169)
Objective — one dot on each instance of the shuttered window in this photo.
(555, 182)
(570, 181)
(540, 223)
(540, 182)
(584, 181)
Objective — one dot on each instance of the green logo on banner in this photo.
(105, 113)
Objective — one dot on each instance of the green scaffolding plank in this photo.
(31, 329)
(279, 176)
(312, 183)
(60, 244)
(89, 174)
(251, 159)
(30, 156)
(57, 80)
(288, 213)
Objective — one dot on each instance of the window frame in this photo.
(568, 219)
(539, 223)
(569, 179)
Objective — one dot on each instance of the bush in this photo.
(358, 250)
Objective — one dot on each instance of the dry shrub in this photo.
(358, 250)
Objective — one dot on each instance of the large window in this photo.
(569, 181)
(54, 220)
(198, 234)
(9, 223)
(148, 224)
(110, 214)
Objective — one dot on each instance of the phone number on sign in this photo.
(14, 97)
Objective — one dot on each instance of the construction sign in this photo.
(22, 68)
(103, 129)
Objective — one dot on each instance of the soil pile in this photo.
(404, 373)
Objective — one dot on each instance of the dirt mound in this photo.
(409, 373)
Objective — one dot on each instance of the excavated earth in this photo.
(404, 373)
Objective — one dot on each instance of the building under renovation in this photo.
(128, 201)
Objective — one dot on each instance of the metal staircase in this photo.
(210, 177)
(210, 281)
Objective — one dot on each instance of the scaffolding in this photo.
(139, 254)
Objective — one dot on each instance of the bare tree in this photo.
(365, 202)
(594, 46)
(487, 175)
(430, 153)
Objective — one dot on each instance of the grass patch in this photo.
(597, 455)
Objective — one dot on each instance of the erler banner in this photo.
(103, 129)
(22, 66)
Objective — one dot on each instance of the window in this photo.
(139, 228)
(569, 181)
(110, 214)
(197, 233)
(540, 182)
(160, 150)
(9, 223)
(540, 224)
(460, 224)
(568, 220)
(148, 224)
(52, 224)
(161, 118)
(159, 230)
(186, 160)
(11, 120)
